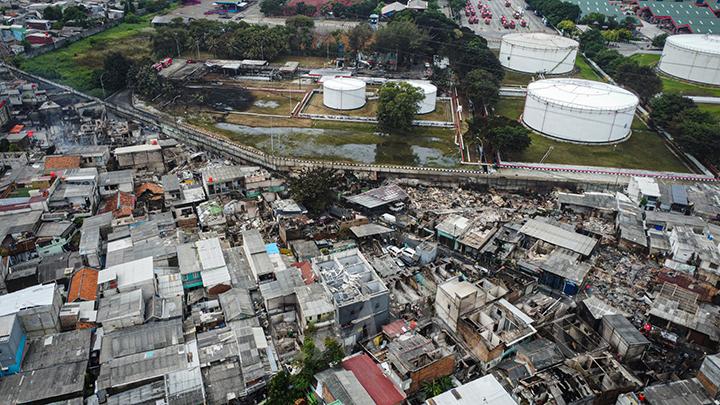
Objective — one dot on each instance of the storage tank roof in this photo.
(582, 94)
(697, 42)
(344, 84)
(539, 40)
(424, 86)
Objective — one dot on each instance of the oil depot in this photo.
(693, 57)
(537, 52)
(580, 111)
(344, 93)
(427, 104)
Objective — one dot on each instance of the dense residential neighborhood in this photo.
(364, 202)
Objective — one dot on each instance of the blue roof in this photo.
(272, 248)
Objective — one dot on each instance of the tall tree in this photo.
(314, 189)
(272, 7)
(403, 38)
(115, 71)
(280, 389)
(482, 88)
(509, 139)
(641, 79)
(397, 106)
(667, 107)
(359, 36)
(300, 30)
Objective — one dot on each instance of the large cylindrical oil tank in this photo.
(344, 93)
(429, 90)
(537, 52)
(693, 57)
(581, 111)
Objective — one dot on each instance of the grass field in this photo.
(644, 150)
(510, 107)
(712, 108)
(513, 78)
(79, 64)
(646, 59)
(585, 71)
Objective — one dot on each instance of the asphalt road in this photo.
(494, 31)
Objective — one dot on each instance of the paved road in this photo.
(253, 15)
(494, 31)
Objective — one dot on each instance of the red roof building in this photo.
(381, 388)
(61, 162)
(83, 286)
(306, 271)
(121, 205)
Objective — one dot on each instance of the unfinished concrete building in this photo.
(417, 360)
(678, 310)
(491, 330)
(361, 298)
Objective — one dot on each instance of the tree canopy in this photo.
(314, 189)
(556, 10)
(481, 87)
(665, 108)
(397, 106)
(402, 37)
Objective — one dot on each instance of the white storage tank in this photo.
(693, 57)
(429, 90)
(537, 52)
(344, 93)
(581, 111)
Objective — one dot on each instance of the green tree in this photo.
(280, 389)
(567, 27)
(698, 132)
(77, 15)
(482, 88)
(4, 145)
(592, 42)
(508, 139)
(359, 36)
(272, 7)
(52, 13)
(641, 79)
(300, 30)
(314, 189)
(401, 37)
(659, 40)
(437, 386)
(115, 71)
(397, 106)
(665, 108)
(333, 353)
(474, 54)
(169, 41)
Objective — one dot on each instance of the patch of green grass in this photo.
(646, 59)
(671, 85)
(510, 107)
(644, 150)
(78, 64)
(714, 109)
(513, 78)
(585, 71)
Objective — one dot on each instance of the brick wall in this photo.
(440, 368)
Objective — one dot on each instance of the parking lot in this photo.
(494, 31)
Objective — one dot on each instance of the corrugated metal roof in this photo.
(559, 237)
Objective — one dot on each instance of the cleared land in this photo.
(672, 85)
(277, 103)
(315, 106)
(79, 64)
(644, 150)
